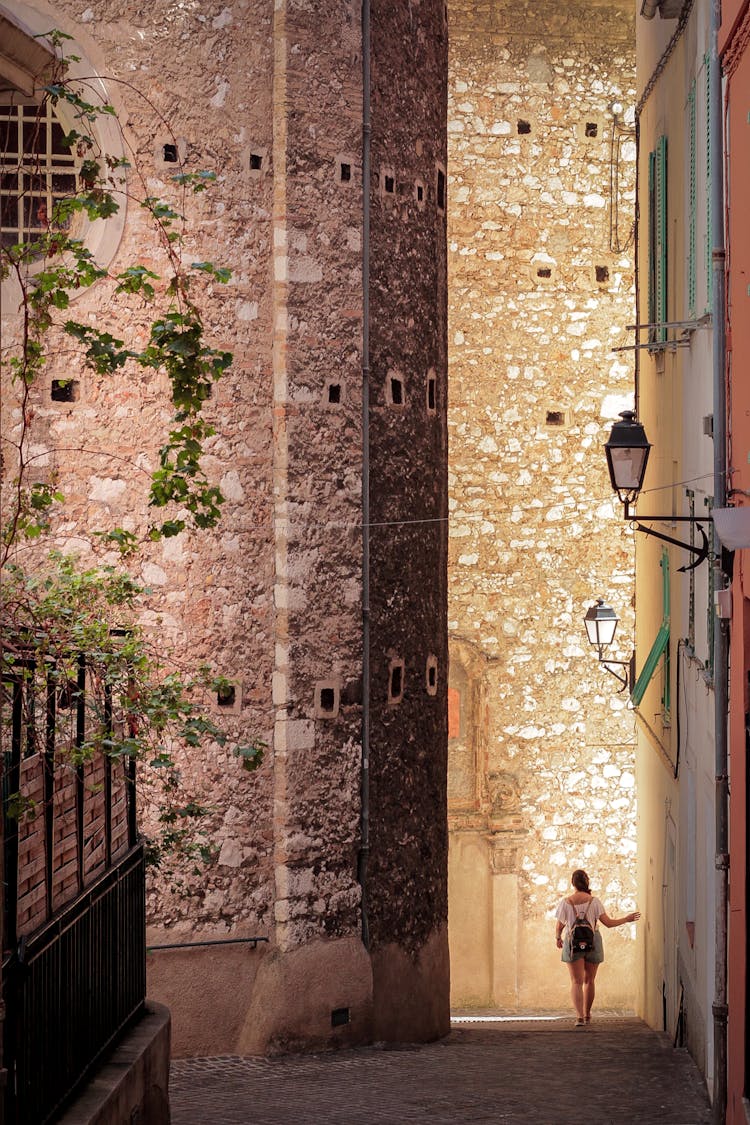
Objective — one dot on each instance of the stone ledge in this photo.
(132, 1086)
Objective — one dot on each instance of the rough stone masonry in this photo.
(269, 96)
(541, 748)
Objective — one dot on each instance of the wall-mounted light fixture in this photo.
(601, 623)
(627, 456)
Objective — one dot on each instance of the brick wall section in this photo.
(541, 288)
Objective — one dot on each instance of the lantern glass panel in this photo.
(601, 624)
(628, 467)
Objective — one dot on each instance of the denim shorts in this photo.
(595, 956)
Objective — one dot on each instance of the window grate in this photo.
(37, 170)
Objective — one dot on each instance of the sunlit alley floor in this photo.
(617, 1071)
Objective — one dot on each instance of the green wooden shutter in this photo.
(692, 204)
(657, 240)
(666, 601)
(691, 602)
(659, 649)
(651, 244)
(660, 191)
(710, 609)
(660, 645)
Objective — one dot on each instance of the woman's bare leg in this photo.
(576, 970)
(589, 988)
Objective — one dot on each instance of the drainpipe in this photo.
(364, 847)
(721, 636)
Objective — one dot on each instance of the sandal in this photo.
(580, 1022)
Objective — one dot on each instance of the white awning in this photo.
(733, 527)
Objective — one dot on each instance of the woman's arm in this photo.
(609, 922)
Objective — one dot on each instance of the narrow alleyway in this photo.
(617, 1072)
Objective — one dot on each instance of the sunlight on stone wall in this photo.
(541, 200)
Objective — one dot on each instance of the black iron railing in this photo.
(72, 989)
(74, 951)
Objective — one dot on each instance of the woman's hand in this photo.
(559, 941)
(634, 916)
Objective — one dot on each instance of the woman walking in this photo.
(584, 958)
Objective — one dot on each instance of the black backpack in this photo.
(582, 934)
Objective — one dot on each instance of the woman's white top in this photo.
(567, 913)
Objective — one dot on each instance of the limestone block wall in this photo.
(541, 749)
(269, 96)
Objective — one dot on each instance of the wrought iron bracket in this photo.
(700, 552)
(626, 680)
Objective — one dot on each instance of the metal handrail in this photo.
(215, 941)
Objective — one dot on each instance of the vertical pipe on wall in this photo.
(364, 846)
(721, 639)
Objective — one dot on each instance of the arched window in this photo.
(37, 167)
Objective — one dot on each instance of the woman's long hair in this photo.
(580, 881)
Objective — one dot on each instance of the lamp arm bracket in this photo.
(624, 681)
(700, 552)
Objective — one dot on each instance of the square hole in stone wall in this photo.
(327, 699)
(543, 273)
(396, 674)
(523, 127)
(590, 130)
(226, 695)
(346, 169)
(255, 160)
(431, 392)
(601, 273)
(431, 675)
(169, 151)
(440, 194)
(333, 394)
(420, 194)
(229, 697)
(387, 182)
(395, 391)
(65, 390)
(554, 417)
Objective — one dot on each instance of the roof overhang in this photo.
(25, 61)
(733, 527)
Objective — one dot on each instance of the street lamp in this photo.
(627, 457)
(601, 624)
(627, 453)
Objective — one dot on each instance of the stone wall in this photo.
(269, 96)
(409, 508)
(541, 753)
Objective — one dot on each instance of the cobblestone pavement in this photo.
(615, 1072)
